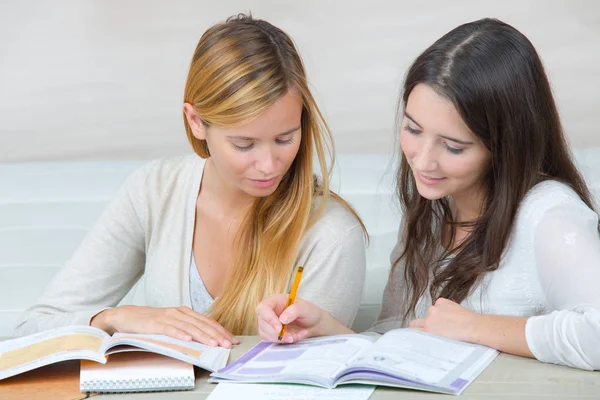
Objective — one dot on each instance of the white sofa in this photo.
(46, 209)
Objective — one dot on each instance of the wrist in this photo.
(477, 334)
(103, 320)
(330, 326)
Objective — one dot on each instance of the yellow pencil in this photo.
(291, 297)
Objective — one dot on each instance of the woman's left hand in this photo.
(449, 319)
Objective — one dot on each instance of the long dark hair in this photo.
(494, 77)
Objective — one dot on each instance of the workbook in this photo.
(404, 358)
(141, 362)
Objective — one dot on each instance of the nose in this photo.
(266, 161)
(425, 158)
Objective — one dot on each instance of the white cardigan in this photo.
(148, 228)
(550, 271)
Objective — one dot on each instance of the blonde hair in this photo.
(239, 69)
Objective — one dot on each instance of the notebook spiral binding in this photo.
(137, 385)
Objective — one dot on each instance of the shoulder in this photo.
(164, 175)
(159, 183)
(548, 199)
(336, 227)
(336, 219)
(167, 170)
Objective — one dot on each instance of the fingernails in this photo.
(227, 343)
(284, 320)
(213, 343)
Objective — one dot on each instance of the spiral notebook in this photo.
(87, 343)
(136, 371)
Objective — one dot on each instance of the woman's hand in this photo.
(449, 319)
(504, 333)
(303, 320)
(178, 322)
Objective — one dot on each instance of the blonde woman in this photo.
(216, 232)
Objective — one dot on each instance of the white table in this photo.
(507, 377)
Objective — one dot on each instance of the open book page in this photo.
(136, 371)
(206, 357)
(431, 362)
(60, 344)
(257, 391)
(314, 361)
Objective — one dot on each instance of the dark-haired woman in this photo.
(499, 240)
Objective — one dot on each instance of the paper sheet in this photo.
(252, 391)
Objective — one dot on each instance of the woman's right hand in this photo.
(178, 322)
(303, 319)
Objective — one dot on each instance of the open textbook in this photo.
(88, 343)
(400, 358)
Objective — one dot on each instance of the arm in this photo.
(449, 319)
(101, 271)
(393, 299)
(335, 274)
(567, 251)
(330, 292)
(567, 257)
(109, 261)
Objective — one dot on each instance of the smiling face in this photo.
(446, 158)
(254, 157)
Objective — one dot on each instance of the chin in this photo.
(257, 192)
(430, 193)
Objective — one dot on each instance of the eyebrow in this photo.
(281, 134)
(407, 115)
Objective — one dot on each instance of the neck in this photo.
(468, 205)
(227, 198)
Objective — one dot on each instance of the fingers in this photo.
(297, 336)
(418, 323)
(268, 312)
(268, 330)
(291, 314)
(271, 307)
(180, 323)
(210, 326)
(184, 331)
(185, 324)
(172, 331)
(441, 301)
(196, 327)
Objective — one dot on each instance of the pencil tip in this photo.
(279, 338)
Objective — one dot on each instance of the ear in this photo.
(195, 122)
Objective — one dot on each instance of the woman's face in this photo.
(254, 157)
(445, 157)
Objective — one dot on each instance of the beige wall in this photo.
(86, 79)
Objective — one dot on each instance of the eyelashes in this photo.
(244, 148)
(251, 145)
(416, 132)
(453, 150)
(411, 130)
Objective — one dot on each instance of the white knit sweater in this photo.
(148, 228)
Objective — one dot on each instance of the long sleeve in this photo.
(392, 311)
(567, 257)
(105, 266)
(333, 256)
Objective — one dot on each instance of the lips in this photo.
(264, 183)
(429, 180)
